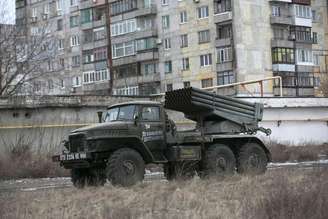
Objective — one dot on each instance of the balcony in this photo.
(303, 22)
(223, 42)
(222, 17)
(282, 43)
(124, 60)
(287, 1)
(146, 11)
(302, 2)
(146, 55)
(283, 67)
(286, 20)
(225, 66)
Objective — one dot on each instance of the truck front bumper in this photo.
(73, 160)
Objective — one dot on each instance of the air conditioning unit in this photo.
(196, 1)
(159, 41)
(292, 37)
(34, 19)
(44, 16)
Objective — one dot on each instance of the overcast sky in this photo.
(9, 7)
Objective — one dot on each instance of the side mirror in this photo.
(99, 113)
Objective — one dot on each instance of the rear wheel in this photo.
(219, 161)
(252, 159)
(125, 167)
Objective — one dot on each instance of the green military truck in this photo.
(134, 134)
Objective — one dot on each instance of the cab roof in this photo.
(139, 102)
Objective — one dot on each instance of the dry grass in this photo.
(283, 153)
(20, 162)
(278, 194)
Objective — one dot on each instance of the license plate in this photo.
(73, 156)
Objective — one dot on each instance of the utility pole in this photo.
(109, 47)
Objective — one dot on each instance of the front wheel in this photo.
(125, 167)
(219, 161)
(252, 159)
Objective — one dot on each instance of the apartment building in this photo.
(160, 45)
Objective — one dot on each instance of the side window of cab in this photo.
(150, 113)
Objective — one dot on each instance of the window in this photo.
(123, 6)
(317, 82)
(86, 15)
(169, 87)
(126, 71)
(88, 56)
(150, 113)
(304, 55)
(314, 16)
(61, 44)
(283, 55)
(226, 77)
(95, 76)
(37, 86)
(75, 61)
(150, 68)
(301, 33)
(147, 43)
(100, 54)
(202, 12)
(168, 67)
(184, 40)
(46, 9)
(185, 64)
(305, 79)
(165, 21)
(75, 40)
(87, 36)
(127, 91)
(186, 84)
(50, 84)
(60, 24)
(279, 33)
(316, 59)
(303, 11)
(222, 6)
(123, 49)
(315, 37)
(99, 33)
(50, 65)
(34, 12)
(224, 54)
(99, 13)
(62, 62)
(205, 60)
(183, 17)
(165, 2)
(288, 79)
(207, 83)
(167, 43)
(204, 36)
(61, 83)
(224, 31)
(74, 21)
(59, 5)
(124, 27)
(275, 11)
(76, 81)
(73, 2)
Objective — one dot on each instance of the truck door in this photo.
(152, 127)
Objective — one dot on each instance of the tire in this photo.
(180, 170)
(219, 161)
(125, 167)
(88, 177)
(252, 159)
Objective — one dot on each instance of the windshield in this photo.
(120, 113)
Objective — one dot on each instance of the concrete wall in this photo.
(43, 123)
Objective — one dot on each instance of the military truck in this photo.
(134, 134)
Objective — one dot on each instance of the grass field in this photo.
(281, 193)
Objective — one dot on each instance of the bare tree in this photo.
(25, 51)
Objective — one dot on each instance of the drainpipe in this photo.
(109, 47)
